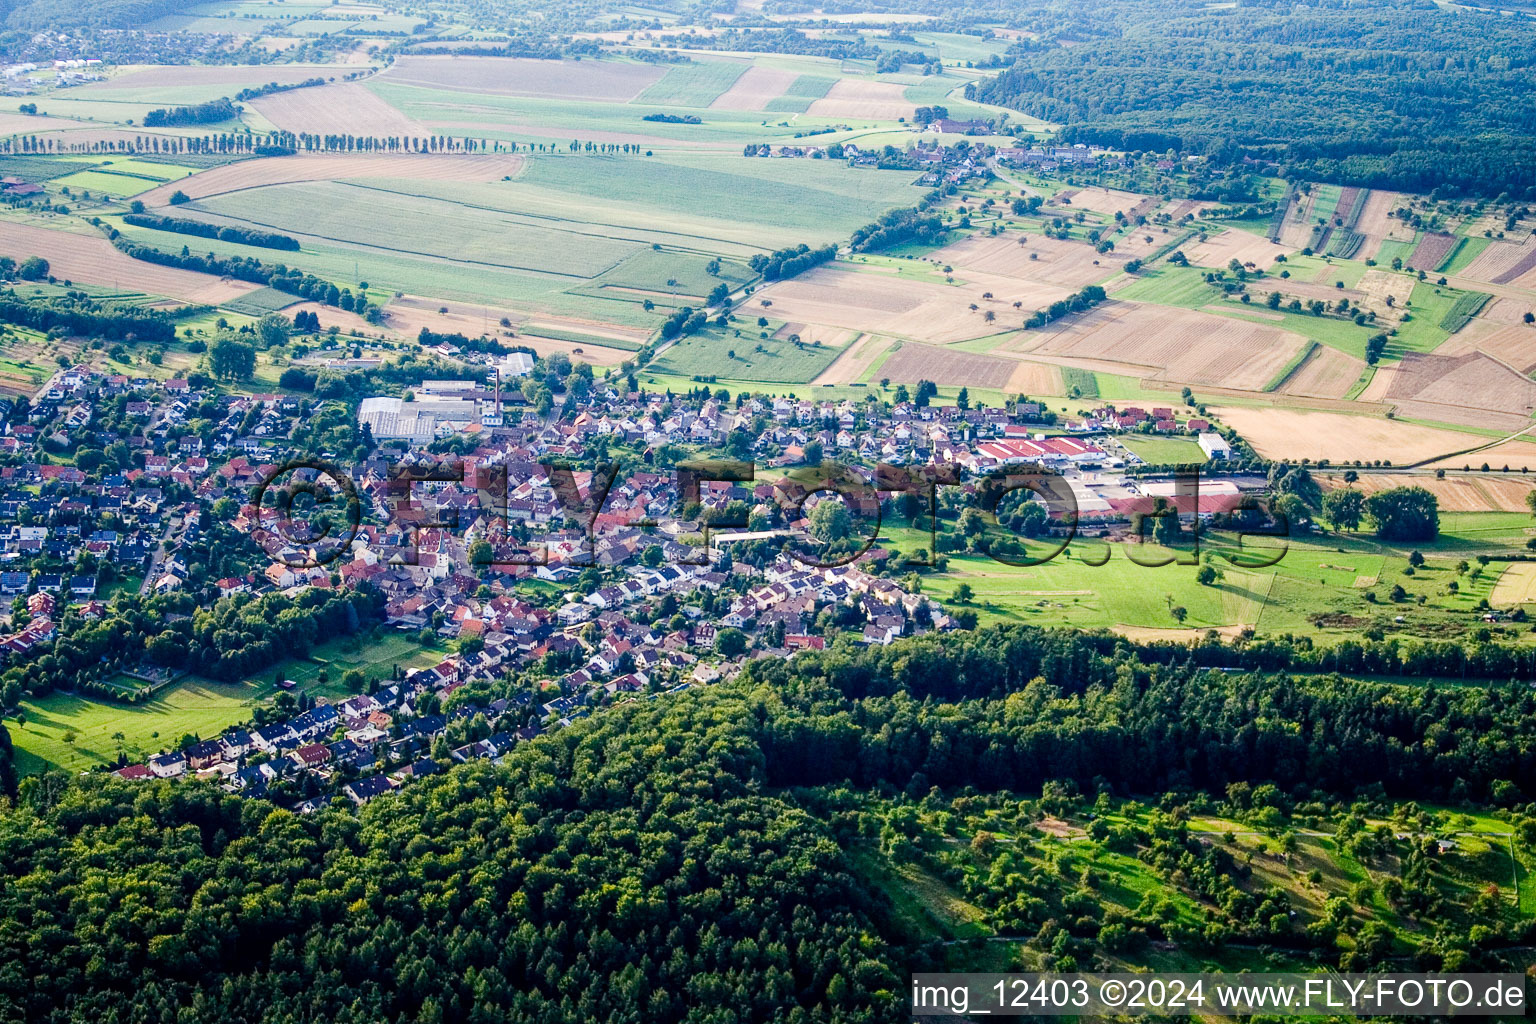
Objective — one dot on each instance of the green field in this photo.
(189, 706)
(573, 235)
(800, 94)
(1164, 451)
(693, 85)
(758, 360)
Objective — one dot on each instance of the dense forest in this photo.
(62, 15)
(1403, 94)
(696, 857)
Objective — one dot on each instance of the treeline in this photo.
(428, 338)
(897, 226)
(30, 16)
(203, 229)
(1086, 299)
(230, 639)
(87, 318)
(786, 263)
(247, 268)
(275, 87)
(212, 112)
(685, 321)
(1396, 95)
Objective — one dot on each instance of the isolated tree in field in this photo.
(1530, 501)
(1404, 513)
(964, 593)
(33, 268)
(1206, 575)
(1529, 318)
(1344, 508)
(229, 359)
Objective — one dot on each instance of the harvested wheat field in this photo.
(1516, 453)
(1036, 258)
(593, 80)
(1106, 201)
(1294, 434)
(1500, 262)
(1516, 585)
(343, 108)
(408, 314)
(1514, 344)
(1181, 346)
(1473, 389)
(1477, 493)
(913, 362)
(1037, 379)
(90, 259)
(283, 170)
(854, 361)
(1222, 248)
(754, 89)
(1327, 373)
(879, 303)
(858, 98)
(1505, 311)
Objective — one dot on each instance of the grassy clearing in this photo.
(1466, 250)
(189, 706)
(767, 360)
(693, 85)
(1185, 287)
(1165, 451)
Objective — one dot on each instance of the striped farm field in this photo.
(1516, 586)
